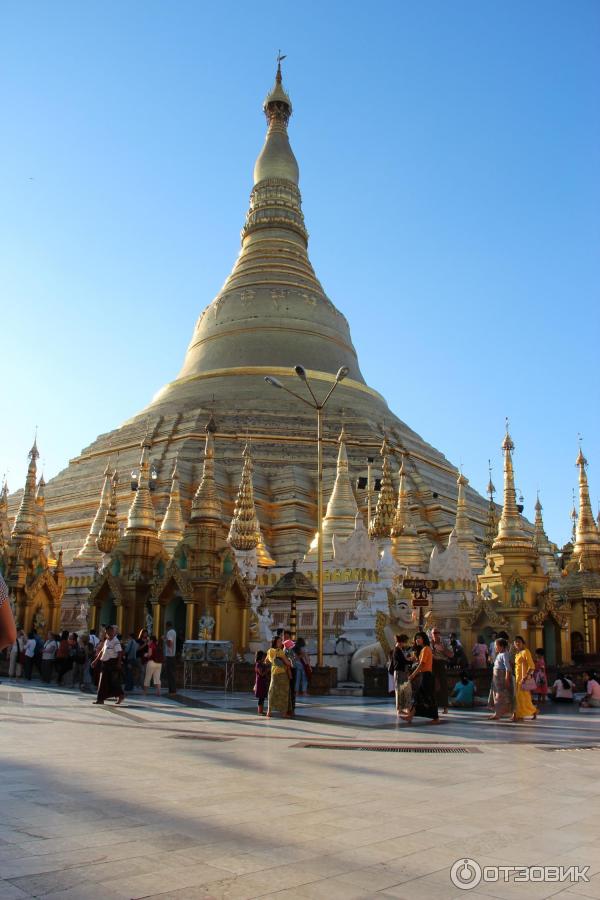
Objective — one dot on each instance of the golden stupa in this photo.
(270, 314)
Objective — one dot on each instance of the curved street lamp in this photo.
(317, 405)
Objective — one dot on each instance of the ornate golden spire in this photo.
(463, 529)
(42, 524)
(244, 532)
(510, 532)
(4, 522)
(276, 159)
(89, 551)
(491, 525)
(406, 544)
(26, 519)
(542, 544)
(142, 518)
(206, 505)
(340, 516)
(380, 525)
(171, 530)
(273, 286)
(108, 536)
(586, 551)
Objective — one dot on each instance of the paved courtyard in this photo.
(199, 798)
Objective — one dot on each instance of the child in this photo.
(261, 683)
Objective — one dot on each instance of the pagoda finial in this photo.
(463, 529)
(206, 505)
(380, 525)
(587, 540)
(42, 524)
(244, 531)
(89, 551)
(108, 536)
(509, 528)
(4, 521)
(406, 544)
(280, 58)
(171, 530)
(340, 515)
(26, 520)
(542, 544)
(142, 518)
(276, 159)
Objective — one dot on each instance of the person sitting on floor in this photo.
(463, 695)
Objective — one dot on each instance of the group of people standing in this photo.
(281, 674)
(103, 662)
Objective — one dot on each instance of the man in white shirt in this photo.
(109, 658)
(170, 661)
(48, 657)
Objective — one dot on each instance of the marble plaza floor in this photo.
(199, 798)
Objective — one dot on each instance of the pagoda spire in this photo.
(406, 544)
(586, 551)
(510, 532)
(171, 530)
(4, 522)
(206, 505)
(26, 520)
(42, 523)
(340, 515)
(142, 518)
(491, 525)
(542, 544)
(89, 551)
(244, 532)
(380, 525)
(463, 529)
(108, 535)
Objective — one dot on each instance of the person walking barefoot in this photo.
(524, 669)
(424, 702)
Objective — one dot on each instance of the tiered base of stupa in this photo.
(283, 436)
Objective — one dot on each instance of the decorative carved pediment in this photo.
(552, 606)
(481, 609)
(44, 581)
(106, 579)
(178, 576)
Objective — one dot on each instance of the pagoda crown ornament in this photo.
(586, 552)
(26, 520)
(89, 551)
(542, 544)
(4, 521)
(380, 525)
(463, 527)
(206, 505)
(142, 518)
(172, 527)
(340, 515)
(108, 535)
(406, 543)
(42, 524)
(244, 531)
(510, 531)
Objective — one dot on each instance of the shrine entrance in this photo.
(551, 640)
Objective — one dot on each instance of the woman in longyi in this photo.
(524, 668)
(279, 689)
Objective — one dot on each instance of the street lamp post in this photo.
(317, 405)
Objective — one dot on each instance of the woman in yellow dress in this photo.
(524, 667)
(279, 689)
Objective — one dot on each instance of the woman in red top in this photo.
(424, 703)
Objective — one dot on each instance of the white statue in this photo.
(82, 615)
(149, 623)
(266, 625)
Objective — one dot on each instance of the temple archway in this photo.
(551, 641)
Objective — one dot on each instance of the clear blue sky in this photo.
(450, 170)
